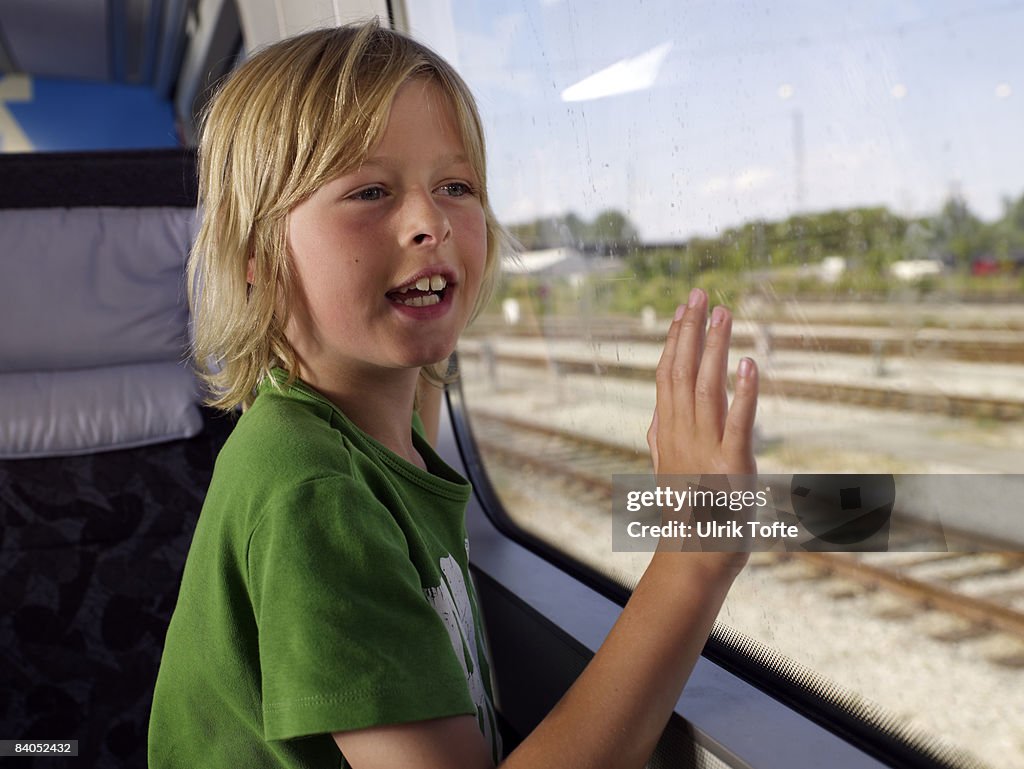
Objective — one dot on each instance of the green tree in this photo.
(959, 233)
(1008, 231)
(612, 231)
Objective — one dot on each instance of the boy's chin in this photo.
(434, 357)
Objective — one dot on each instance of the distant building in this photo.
(914, 269)
(831, 268)
(564, 262)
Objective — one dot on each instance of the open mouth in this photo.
(423, 292)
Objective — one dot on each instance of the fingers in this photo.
(680, 360)
(652, 440)
(693, 425)
(711, 401)
(739, 424)
(663, 373)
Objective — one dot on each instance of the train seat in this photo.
(105, 455)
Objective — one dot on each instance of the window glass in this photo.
(847, 177)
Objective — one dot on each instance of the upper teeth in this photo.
(432, 283)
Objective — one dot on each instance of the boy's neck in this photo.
(381, 406)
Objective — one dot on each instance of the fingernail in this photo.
(694, 297)
(746, 367)
(717, 316)
(679, 312)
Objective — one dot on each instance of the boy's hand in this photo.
(694, 430)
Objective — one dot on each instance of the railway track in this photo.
(948, 404)
(970, 345)
(907, 582)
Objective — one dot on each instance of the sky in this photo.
(696, 116)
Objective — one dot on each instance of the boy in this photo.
(326, 615)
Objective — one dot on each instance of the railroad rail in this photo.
(948, 404)
(969, 345)
(589, 463)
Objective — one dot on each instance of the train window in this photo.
(848, 179)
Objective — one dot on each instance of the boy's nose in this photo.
(426, 222)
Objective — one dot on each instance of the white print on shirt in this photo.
(450, 600)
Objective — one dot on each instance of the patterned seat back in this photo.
(92, 545)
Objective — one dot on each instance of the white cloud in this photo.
(745, 180)
(715, 185)
(843, 157)
(752, 178)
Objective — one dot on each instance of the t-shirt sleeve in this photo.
(347, 638)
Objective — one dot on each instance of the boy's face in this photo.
(388, 259)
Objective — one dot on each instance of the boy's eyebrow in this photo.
(451, 159)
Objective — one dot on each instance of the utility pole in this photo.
(798, 160)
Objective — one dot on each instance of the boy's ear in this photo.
(250, 270)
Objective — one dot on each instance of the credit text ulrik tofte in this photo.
(714, 530)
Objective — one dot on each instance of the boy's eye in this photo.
(456, 189)
(370, 193)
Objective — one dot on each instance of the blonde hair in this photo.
(291, 118)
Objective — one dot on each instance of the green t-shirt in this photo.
(326, 589)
